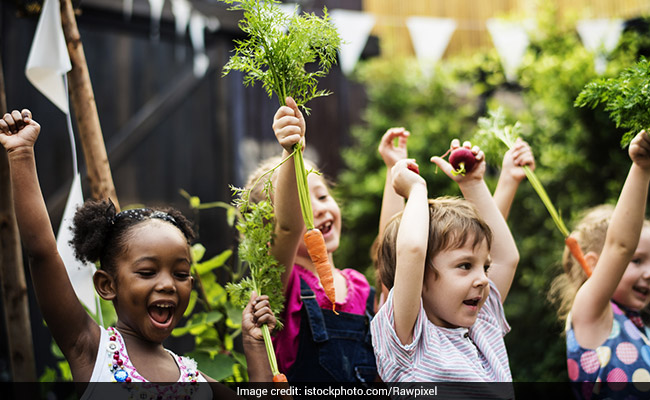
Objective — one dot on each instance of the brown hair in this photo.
(590, 232)
(452, 223)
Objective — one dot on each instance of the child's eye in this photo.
(486, 267)
(466, 266)
(183, 275)
(636, 261)
(145, 273)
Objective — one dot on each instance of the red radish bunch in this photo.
(463, 160)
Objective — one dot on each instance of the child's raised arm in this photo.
(391, 203)
(74, 331)
(512, 174)
(504, 253)
(591, 314)
(411, 248)
(289, 127)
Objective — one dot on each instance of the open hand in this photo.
(389, 152)
(477, 171)
(18, 130)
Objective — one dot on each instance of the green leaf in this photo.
(198, 250)
(218, 367)
(215, 262)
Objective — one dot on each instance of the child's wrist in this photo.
(20, 153)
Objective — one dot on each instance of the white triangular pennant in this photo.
(48, 57)
(155, 8)
(430, 37)
(80, 274)
(127, 9)
(511, 41)
(354, 28)
(600, 37)
(182, 9)
(197, 36)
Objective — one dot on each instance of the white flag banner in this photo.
(600, 37)
(155, 9)
(511, 41)
(197, 36)
(46, 69)
(430, 37)
(127, 9)
(354, 28)
(81, 274)
(48, 57)
(182, 9)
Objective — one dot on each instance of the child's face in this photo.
(633, 291)
(454, 298)
(153, 280)
(327, 215)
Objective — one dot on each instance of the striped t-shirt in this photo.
(436, 354)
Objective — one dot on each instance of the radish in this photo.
(414, 168)
(463, 160)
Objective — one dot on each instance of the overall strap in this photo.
(314, 313)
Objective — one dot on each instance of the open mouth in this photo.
(641, 290)
(325, 228)
(472, 302)
(161, 314)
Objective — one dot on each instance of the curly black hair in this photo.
(99, 234)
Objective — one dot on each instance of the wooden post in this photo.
(85, 110)
(12, 274)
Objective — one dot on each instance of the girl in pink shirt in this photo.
(315, 343)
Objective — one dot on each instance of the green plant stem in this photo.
(537, 185)
(303, 187)
(270, 352)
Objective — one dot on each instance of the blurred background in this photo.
(172, 122)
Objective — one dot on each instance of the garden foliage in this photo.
(579, 160)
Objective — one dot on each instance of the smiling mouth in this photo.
(161, 314)
(472, 302)
(643, 291)
(325, 228)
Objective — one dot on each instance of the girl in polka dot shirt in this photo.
(606, 341)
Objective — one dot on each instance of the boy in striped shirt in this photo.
(443, 319)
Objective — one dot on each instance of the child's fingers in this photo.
(10, 122)
(26, 114)
(455, 143)
(266, 319)
(291, 103)
(260, 304)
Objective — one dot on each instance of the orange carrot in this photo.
(576, 251)
(318, 253)
(279, 378)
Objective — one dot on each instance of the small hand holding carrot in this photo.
(18, 131)
(515, 158)
(390, 152)
(405, 178)
(256, 314)
(475, 174)
(289, 125)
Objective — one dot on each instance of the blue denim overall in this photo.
(340, 343)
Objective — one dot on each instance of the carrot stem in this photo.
(303, 187)
(270, 352)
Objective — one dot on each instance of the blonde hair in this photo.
(452, 223)
(590, 232)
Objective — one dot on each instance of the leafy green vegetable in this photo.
(256, 234)
(495, 127)
(279, 46)
(626, 97)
